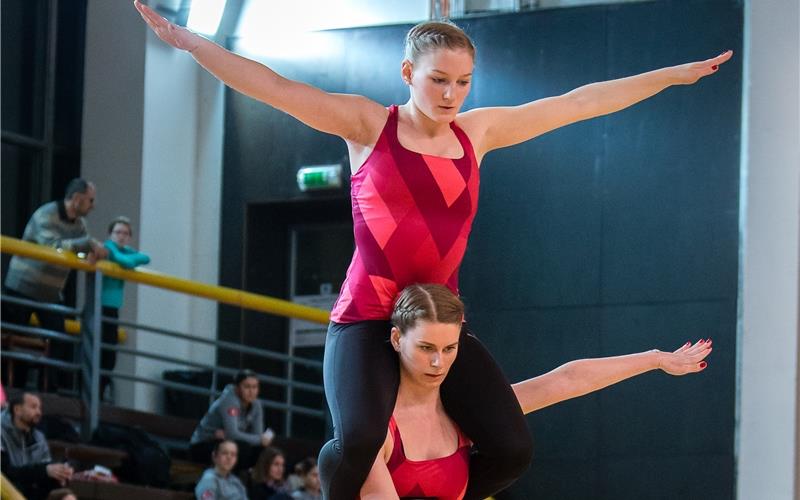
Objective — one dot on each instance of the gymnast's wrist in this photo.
(657, 359)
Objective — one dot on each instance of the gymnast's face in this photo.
(427, 351)
(439, 80)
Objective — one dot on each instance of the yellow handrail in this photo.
(223, 294)
(8, 491)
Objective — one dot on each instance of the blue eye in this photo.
(438, 80)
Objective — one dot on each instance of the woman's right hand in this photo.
(177, 36)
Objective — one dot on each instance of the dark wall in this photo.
(610, 236)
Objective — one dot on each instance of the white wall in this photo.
(767, 440)
(152, 141)
(111, 150)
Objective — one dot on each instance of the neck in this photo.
(69, 207)
(411, 394)
(221, 472)
(19, 424)
(423, 122)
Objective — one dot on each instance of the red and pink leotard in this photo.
(412, 215)
(444, 478)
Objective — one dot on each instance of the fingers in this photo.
(150, 16)
(722, 57)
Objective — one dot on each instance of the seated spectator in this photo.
(308, 472)
(236, 415)
(267, 476)
(62, 494)
(120, 233)
(219, 482)
(25, 459)
(57, 224)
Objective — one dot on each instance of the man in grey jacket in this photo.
(237, 416)
(58, 224)
(25, 456)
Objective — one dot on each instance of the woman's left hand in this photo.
(687, 74)
(687, 359)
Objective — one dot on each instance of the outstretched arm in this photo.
(351, 117)
(499, 127)
(583, 376)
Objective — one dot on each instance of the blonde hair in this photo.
(434, 303)
(432, 35)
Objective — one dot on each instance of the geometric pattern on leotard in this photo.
(444, 478)
(412, 215)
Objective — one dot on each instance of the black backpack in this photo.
(56, 427)
(147, 463)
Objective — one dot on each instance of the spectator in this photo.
(235, 415)
(25, 454)
(219, 482)
(120, 233)
(310, 490)
(267, 476)
(62, 494)
(57, 224)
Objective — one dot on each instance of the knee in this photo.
(518, 453)
(363, 444)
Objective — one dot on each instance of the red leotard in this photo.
(412, 214)
(443, 478)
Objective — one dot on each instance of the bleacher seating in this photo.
(172, 432)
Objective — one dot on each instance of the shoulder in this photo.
(373, 120)
(39, 436)
(46, 211)
(208, 479)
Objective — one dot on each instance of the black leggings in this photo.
(362, 374)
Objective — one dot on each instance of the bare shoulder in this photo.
(372, 117)
(475, 123)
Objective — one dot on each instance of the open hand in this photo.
(687, 359)
(686, 74)
(175, 35)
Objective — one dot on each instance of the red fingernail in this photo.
(703, 364)
(714, 67)
(708, 340)
(700, 341)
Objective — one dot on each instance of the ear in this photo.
(395, 338)
(406, 70)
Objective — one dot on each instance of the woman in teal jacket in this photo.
(119, 236)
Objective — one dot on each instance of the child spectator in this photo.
(310, 489)
(218, 482)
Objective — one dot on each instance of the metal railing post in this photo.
(91, 335)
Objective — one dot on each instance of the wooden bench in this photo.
(90, 490)
(86, 456)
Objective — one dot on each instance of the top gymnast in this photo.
(414, 193)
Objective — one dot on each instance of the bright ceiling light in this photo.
(205, 15)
